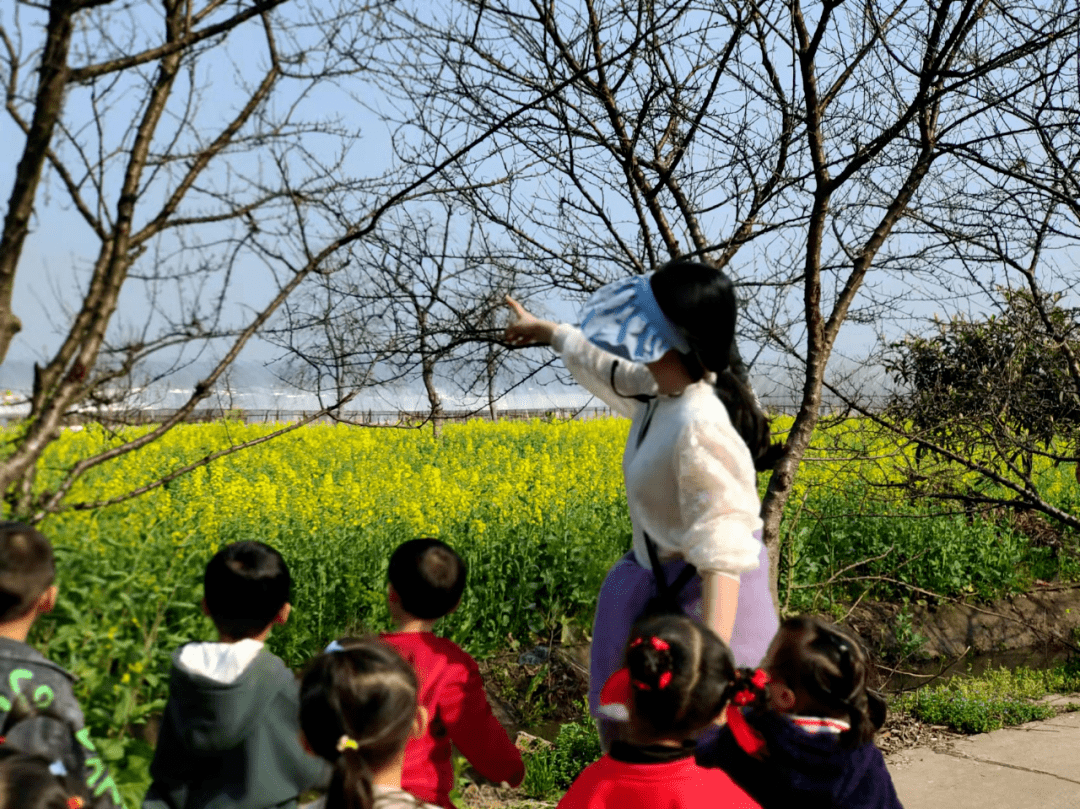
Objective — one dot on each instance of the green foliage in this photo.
(130, 577)
(904, 544)
(978, 715)
(995, 699)
(908, 639)
(550, 771)
(973, 382)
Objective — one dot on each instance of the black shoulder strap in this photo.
(665, 593)
(657, 568)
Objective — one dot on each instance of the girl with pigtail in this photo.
(358, 708)
(800, 731)
(678, 676)
(32, 781)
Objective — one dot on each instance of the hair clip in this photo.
(749, 692)
(75, 802)
(346, 743)
(333, 646)
(659, 644)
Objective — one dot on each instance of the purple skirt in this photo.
(628, 588)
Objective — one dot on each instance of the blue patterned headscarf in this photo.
(624, 318)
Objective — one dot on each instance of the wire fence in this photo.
(402, 418)
(386, 417)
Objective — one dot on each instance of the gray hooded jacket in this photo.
(230, 736)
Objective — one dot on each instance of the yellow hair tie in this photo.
(345, 743)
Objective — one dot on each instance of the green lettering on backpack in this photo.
(98, 767)
(43, 696)
(16, 676)
(83, 737)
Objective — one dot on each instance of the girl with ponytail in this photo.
(801, 729)
(358, 708)
(660, 350)
(677, 679)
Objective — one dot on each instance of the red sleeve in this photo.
(473, 728)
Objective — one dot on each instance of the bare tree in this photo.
(203, 151)
(818, 153)
(420, 300)
(1015, 412)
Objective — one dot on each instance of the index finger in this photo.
(514, 305)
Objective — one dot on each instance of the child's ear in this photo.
(781, 697)
(282, 614)
(420, 723)
(392, 595)
(46, 602)
(205, 609)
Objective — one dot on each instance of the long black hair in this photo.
(699, 300)
(357, 708)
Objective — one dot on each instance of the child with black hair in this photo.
(39, 714)
(805, 736)
(677, 680)
(230, 733)
(358, 709)
(30, 781)
(427, 579)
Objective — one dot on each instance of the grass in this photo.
(994, 699)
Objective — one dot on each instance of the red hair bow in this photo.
(748, 739)
(748, 694)
(659, 644)
(75, 802)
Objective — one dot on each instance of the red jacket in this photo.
(453, 693)
(679, 784)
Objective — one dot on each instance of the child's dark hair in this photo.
(357, 708)
(699, 300)
(829, 671)
(245, 585)
(681, 676)
(29, 780)
(428, 576)
(27, 568)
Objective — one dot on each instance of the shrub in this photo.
(550, 771)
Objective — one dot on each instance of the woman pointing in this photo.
(658, 349)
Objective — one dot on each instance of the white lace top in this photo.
(690, 483)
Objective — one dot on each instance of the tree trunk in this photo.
(47, 107)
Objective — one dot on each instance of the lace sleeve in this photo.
(615, 381)
(718, 497)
